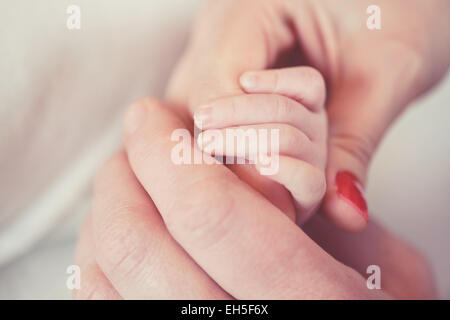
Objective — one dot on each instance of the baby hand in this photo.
(290, 101)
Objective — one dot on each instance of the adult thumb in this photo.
(361, 108)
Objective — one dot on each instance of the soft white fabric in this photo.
(62, 94)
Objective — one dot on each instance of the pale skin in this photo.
(289, 101)
(163, 231)
(372, 76)
(130, 233)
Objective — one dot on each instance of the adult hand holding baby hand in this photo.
(198, 232)
(158, 230)
(372, 75)
(164, 231)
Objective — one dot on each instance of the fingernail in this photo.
(249, 80)
(203, 117)
(134, 117)
(351, 190)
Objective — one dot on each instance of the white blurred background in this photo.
(62, 94)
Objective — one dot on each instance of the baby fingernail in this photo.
(249, 80)
(202, 118)
(351, 190)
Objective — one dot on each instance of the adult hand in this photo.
(166, 231)
(372, 75)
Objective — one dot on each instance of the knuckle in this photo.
(297, 144)
(276, 81)
(317, 86)
(294, 138)
(203, 219)
(283, 107)
(119, 243)
(314, 76)
(359, 147)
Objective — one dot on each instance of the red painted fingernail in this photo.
(350, 189)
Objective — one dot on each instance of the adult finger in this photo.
(237, 236)
(361, 108)
(133, 247)
(94, 284)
